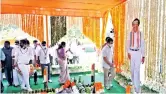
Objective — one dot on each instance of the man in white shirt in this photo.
(16, 76)
(107, 60)
(44, 57)
(74, 50)
(69, 56)
(54, 54)
(23, 58)
(36, 49)
(2, 58)
(136, 53)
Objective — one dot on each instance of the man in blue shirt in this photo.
(2, 58)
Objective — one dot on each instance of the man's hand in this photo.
(35, 61)
(143, 60)
(129, 56)
(15, 65)
(111, 65)
(38, 62)
(19, 71)
(0, 64)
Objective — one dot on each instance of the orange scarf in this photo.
(138, 39)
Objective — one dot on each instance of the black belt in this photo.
(134, 49)
(24, 64)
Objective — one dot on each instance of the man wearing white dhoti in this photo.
(23, 58)
(136, 53)
(16, 76)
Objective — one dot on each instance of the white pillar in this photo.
(45, 29)
(49, 29)
(101, 28)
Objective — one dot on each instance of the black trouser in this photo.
(69, 61)
(35, 77)
(75, 59)
(43, 66)
(2, 87)
(9, 75)
(56, 61)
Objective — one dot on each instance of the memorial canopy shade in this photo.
(32, 18)
(82, 8)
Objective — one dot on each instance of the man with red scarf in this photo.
(136, 53)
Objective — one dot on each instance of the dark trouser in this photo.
(56, 61)
(75, 59)
(9, 75)
(69, 61)
(2, 87)
(35, 77)
(43, 66)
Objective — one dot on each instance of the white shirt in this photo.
(36, 51)
(69, 55)
(44, 56)
(33, 51)
(141, 48)
(74, 48)
(15, 49)
(78, 50)
(51, 49)
(107, 52)
(54, 51)
(23, 56)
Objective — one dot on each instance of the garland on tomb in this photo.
(74, 86)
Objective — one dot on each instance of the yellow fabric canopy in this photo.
(90, 8)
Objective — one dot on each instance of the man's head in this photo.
(106, 38)
(23, 43)
(35, 42)
(28, 43)
(135, 24)
(7, 44)
(17, 42)
(109, 42)
(63, 44)
(43, 43)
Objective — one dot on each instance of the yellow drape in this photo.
(118, 20)
(33, 25)
(91, 29)
(105, 19)
(73, 21)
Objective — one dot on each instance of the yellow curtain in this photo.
(105, 19)
(91, 29)
(118, 19)
(33, 25)
(73, 21)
